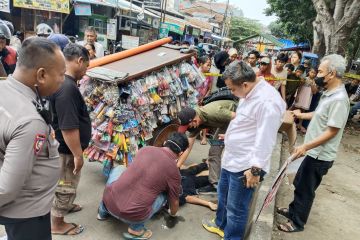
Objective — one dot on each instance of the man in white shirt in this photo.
(280, 74)
(90, 37)
(249, 142)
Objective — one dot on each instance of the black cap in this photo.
(185, 116)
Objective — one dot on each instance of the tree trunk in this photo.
(319, 43)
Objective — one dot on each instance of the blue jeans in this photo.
(233, 204)
(136, 226)
(354, 110)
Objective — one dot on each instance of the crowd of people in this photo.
(45, 127)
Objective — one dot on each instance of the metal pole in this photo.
(130, 17)
(224, 23)
(165, 10)
(161, 14)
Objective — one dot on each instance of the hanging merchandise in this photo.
(124, 116)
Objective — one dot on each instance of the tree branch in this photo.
(322, 10)
(351, 15)
(339, 10)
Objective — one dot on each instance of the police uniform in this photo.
(29, 164)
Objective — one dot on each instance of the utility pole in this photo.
(224, 24)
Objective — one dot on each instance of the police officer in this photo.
(29, 159)
(7, 54)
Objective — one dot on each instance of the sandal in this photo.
(146, 234)
(289, 227)
(283, 211)
(75, 229)
(75, 208)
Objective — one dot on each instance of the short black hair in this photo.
(282, 57)
(290, 66)
(186, 43)
(91, 45)
(301, 68)
(35, 52)
(177, 142)
(239, 72)
(256, 53)
(74, 51)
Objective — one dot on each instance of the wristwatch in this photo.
(255, 171)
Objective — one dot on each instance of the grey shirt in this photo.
(332, 111)
(29, 159)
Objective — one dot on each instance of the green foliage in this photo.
(295, 18)
(241, 27)
(353, 46)
(276, 29)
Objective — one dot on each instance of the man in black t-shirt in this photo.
(73, 131)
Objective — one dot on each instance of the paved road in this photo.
(90, 193)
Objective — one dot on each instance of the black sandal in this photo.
(283, 211)
(289, 227)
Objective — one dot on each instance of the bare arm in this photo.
(185, 155)
(174, 207)
(306, 116)
(283, 92)
(72, 140)
(323, 138)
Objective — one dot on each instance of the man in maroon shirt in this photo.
(135, 194)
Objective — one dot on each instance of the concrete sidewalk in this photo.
(336, 210)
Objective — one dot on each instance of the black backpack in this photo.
(220, 94)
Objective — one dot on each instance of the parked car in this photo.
(210, 49)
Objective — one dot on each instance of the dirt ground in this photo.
(336, 210)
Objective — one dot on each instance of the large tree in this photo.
(332, 22)
(241, 27)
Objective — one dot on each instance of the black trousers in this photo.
(37, 228)
(307, 180)
(190, 182)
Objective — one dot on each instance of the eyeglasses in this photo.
(264, 63)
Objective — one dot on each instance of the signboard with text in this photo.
(111, 29)
(164, 30)
(82, 9)
(61, 6)
(129, 42)
(152, 4)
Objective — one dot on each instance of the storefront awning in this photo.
(126, 6)
(108, 3)
(61, 6)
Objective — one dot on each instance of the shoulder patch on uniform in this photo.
(39, 143)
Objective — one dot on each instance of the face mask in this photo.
(320, 81)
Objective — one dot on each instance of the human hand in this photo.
(299, 151)
(79, 162)
(296, 113)
(251, 180)
(221, 136)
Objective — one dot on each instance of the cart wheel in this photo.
(161, 134)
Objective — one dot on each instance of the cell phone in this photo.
(216, 142)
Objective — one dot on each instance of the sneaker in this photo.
(211, 226)
(209, 189)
